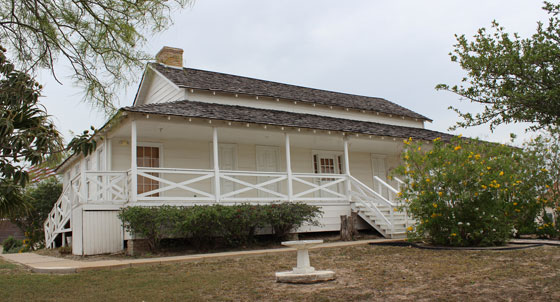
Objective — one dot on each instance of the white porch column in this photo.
(216, 164)
(83, 180)
(133, 163)
(347, 167)
(289, 167)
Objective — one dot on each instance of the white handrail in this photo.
(372, 192)
(381, 181)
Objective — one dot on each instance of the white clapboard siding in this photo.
(160, 90)
(330, 220)
(102, 232)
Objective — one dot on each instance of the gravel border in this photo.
(516, 246)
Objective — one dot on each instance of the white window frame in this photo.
(338, 154)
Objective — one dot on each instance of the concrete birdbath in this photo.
(303, 272)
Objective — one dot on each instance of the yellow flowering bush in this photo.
(546, 147)
(467, 192)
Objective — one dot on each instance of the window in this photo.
(148, 157)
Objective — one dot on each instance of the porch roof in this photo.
(215, 81)
(186, 108)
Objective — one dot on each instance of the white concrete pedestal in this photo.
(304, 272)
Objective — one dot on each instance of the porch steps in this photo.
(379, 212)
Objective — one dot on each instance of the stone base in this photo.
(314, 277)
(136, 247)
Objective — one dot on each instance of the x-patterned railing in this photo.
(58, 217)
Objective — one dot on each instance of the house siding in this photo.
(161, 90)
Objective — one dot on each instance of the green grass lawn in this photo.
(365, 273)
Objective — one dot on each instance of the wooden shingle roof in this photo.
(215, 81)
(231, 113)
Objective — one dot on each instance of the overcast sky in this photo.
(397, 50)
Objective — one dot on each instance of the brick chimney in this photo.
(170, 56)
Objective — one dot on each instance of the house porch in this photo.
(156, 160)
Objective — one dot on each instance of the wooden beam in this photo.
(347, 167)
(133, 164)
(289, 167)
(216, 164)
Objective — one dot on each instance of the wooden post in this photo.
(133, 163)
(353, 221)
(83, 181)
(348, 230)
(216, 164)
(289, 167)
(345, 233)
(347, 168)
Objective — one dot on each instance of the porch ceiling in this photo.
(157, 129)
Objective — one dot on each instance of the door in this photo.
(327, 163)
(378, 166)
(227, 160)
(268, 161)
(148, 156)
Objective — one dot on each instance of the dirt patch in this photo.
(364, 273)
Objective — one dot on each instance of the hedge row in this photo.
(235, 225)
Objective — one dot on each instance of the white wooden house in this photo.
(201, 137)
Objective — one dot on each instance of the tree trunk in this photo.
(353, 221)
(345, 231)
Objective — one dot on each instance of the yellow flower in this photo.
(460, 135)
(547, 186)
(437, 139)
(501, 173)
(406, 142)
(434, 205)
(544, 170)
(475, 193)
(434, 215)
(517, 210)
(488, 168)
(477, 157)
(428, 180)
(484, 187)
(481, 173)
(453, 234)
(419, 148)
(440, 194)
(409, 229)
(457, 148)
(515, 203)
(406, 157)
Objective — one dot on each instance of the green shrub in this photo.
(152, 223)
(40, 200)
(11, 245)
(470, 193)
(235, 225)
(285, 217)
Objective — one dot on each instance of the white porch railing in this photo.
(106, 187)
(164, 185)
(58, 217)
(174, 185)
